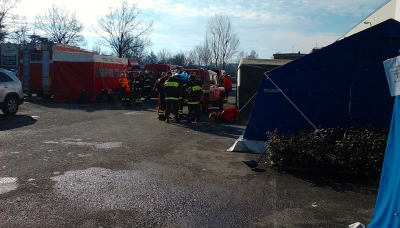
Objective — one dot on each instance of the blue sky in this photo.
(267, 26)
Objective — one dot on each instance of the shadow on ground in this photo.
(17, 121)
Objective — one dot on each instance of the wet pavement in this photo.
(106, 165)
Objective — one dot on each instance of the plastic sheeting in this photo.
(75, 72)
(244, 145)
(250, 72)
(387, 207)
(183, 76)
(340, 85)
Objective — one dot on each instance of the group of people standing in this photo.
(173, 94)
(134, 88)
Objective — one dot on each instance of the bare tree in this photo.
(206, 53)
(96, 48)
(120, 28)
(164, 55)
(253, 55)
(6, 6)
(195, 55)
(223, 40)
(138, 51)
(193, 58)
(18, 30)
(151, 57)
(60, 26)
(179, 59)
(141, 56)
(240, 56)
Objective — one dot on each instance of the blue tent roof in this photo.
(339, 85)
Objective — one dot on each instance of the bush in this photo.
(355, 149)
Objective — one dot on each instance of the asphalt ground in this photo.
(106, 165)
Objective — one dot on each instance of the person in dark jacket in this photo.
(173, 92)
(192, 94)
(227, 86)
(146, 85)
(137, 87)
(159, 88)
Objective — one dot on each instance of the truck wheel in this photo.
(10, 105)
(204, 105)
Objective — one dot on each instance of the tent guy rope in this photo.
(248, 101)
(316, 129)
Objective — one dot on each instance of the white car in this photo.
(11, 93)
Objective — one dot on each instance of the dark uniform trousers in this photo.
(137, 95)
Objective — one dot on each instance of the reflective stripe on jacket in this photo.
(124, 82)
(172, 89)
(192, 92)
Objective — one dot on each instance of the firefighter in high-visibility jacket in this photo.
(137, 86)
(125, 90)
(146, 86)
(173, 93)
(192, 94)
(159, 88)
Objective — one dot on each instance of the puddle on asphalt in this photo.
(8, 184)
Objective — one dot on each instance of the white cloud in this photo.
(268, 26)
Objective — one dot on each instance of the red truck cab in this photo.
(213, 92)
(155, 71)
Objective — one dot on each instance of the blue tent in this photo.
(387, 207)
(339, 85)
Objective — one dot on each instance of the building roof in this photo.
(389, 10)
(274, 62)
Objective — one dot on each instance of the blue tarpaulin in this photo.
(340, 85)
(387, 207)
(183, 76)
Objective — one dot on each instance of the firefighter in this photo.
(137, 86)
(146, 85)
(181, 100)
(199, 80)
(125, 90)
(192, 95)
(159, 88)
(173, 93)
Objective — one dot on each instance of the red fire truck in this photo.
(64, 72)
(155, 71)
(213, 91)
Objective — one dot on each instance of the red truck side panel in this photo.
(36, 70)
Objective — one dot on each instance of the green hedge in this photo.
(352, 149)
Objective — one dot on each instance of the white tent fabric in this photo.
(244, 145)
(64, 56)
